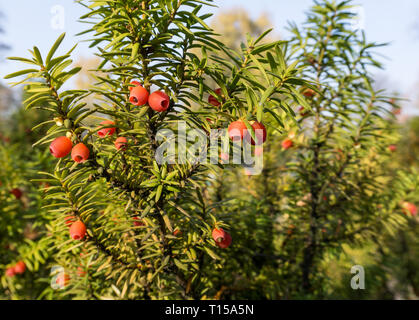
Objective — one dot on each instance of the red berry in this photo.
(20, 267)
(80, 153)
(62, 280)
(260, 133)
(121, 143)
(69, 220)
(302, 111)
(159, 101)
(138, 223)
(409, 207)
(237, 129)
(177, 232)
(224, 238)
(134, 84)
(106, 131)
(287, 143)
(60, 147)
(213, 100)
(218, 234)
(17, 193)
(10, 272)
(309, 93)
(138, 95)
(392, 147)
(77, 230)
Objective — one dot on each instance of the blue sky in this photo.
(28, 23)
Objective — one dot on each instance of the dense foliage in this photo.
(330, 180)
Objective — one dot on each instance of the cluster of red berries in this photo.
(120, 142)
(62, 146)
(77, 227)
(158, 101)
(222, 238)
(139, 96)
(237, 130)
(18, 268)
